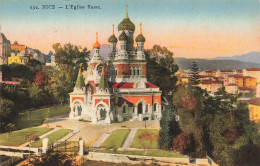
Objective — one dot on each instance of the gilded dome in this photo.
(126, 24)
(96, 45)
(123, 36)
(140, 38)
(112, 38)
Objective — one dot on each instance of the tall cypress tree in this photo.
(194, 80)
(169, 128)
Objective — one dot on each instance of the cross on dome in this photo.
(126, 11)
(140, 27)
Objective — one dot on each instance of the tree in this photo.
(7, 109)
(183, 143)
(195, 74)
(169, 128)
(147, 138)
(68, 58)
(220, 126)
(56, 158)
(36, 94)
(40, 78)
(10, 127)
(161, 69)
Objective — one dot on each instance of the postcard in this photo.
(110, 82)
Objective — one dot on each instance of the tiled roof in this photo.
(255, 101)
(253, 69)
(210, 82)
(226, 70)
(240, 76)
(232, 84)
(129, 85)
(245, 88)
(11, 82)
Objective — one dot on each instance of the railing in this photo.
(11, 161)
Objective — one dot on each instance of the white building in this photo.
(5, 49)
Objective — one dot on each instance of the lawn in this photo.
(37, 117)
(17, 138)
(53, 137)
(154, 153)
(116, 139)
(140, 145)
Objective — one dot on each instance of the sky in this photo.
(189, 28)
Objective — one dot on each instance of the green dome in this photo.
(126, 24)
(112, 38)
(140, 38)
(123, 36)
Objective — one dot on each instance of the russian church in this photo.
(116, 90)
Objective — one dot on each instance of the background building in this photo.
(5, 49)
(17, 47)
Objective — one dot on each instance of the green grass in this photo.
(37, 117)
(116, 139)
(154, 153)
(17, 138)
(53, 137)
(152, 145)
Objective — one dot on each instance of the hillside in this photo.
(204, 64)
(253, 57)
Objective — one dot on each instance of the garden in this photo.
(116, 139)
(19, 137)
(144, 143)
(53, 137)
(37, 117)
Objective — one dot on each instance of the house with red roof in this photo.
(254, 72)
(254, 109)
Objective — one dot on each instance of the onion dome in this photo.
(126, 24)
(96, 45)
(123, 36)
(103, 83)
(140, 37)
(112, 38)
(80, 81)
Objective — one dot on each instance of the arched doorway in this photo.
(77, 108)
(103, 114)
(140, 108)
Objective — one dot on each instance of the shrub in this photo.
(183, 143)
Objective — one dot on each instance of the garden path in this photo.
(129, 139)
(42, 136)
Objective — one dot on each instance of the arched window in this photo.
(124, 109)
(146, 108)
(138, 72)
(99, 70)
(131, 71)
(155, 107)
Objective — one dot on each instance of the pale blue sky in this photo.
(165, 22)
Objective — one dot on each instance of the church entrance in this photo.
(140, 108)
(103, 114)
(77, 108)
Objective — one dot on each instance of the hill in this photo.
(205, 64)
(253, 57)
